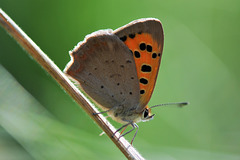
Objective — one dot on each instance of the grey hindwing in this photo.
(105, 69)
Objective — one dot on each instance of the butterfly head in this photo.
(147, 114)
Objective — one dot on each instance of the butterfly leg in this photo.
(123, 130)
(135, 133)
(128, 131)
(101, 112)
(134, 125)
(125, 125)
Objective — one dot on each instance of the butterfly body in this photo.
(118, 69)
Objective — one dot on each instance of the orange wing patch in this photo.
(147, 57)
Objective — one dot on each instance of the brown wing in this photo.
(105, 69)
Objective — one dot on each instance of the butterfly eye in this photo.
(145, 113)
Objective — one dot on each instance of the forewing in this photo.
(144, 37)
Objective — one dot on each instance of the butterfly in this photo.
(118, 69)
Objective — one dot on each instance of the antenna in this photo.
(179, 104)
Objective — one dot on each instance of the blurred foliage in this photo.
(38, 120)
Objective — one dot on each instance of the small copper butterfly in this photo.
(118, 69)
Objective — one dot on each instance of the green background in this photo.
(200, 64)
